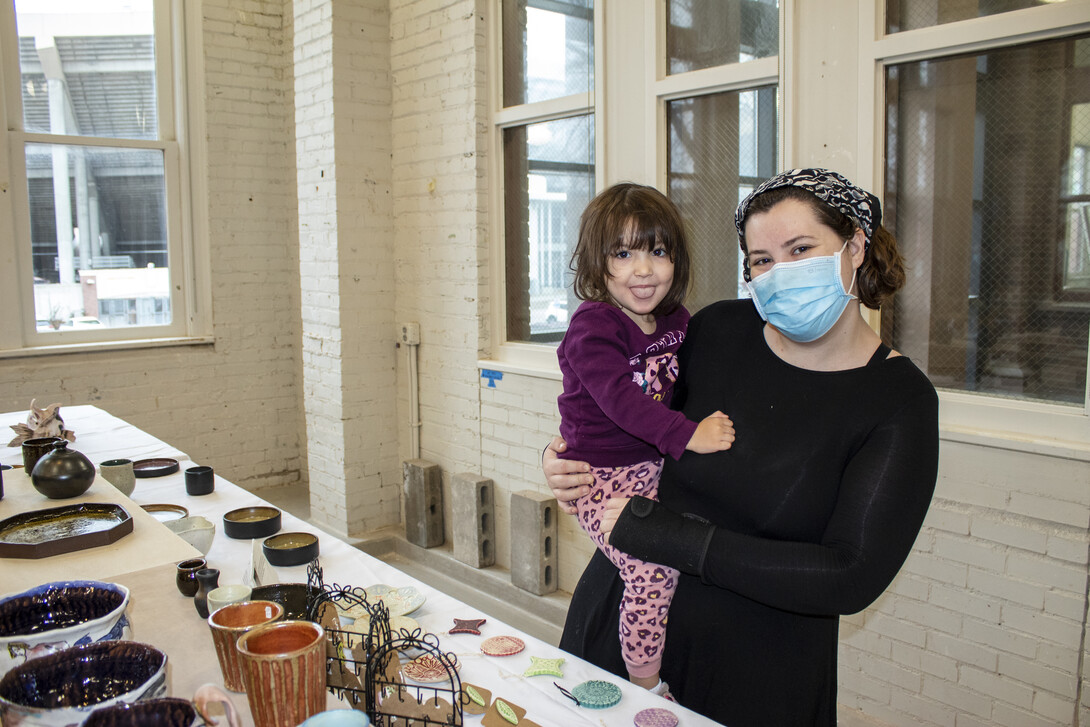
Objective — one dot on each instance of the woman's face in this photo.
(791, 231)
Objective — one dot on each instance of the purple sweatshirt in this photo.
(617, 386)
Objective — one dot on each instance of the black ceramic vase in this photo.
(207, 579)
(62, 473)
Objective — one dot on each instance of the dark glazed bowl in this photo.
(247, 523)
(54, 616)
(292, 596)
(62, 688)
(288, 549)
(165, 712)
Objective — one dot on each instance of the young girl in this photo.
(631, 266)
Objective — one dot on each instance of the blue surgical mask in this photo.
(804, 298)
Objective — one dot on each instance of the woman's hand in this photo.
(569, 479)
(610, 512)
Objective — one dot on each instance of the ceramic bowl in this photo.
(338, 718)
(252, 522)
(56, 615)
(196, 530)
(164, 712)
(63, 688)
(292, 596)
(288, 549)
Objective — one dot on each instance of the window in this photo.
(720, 143)
(94, 141)
(715, 101)
(548, 156)
(989, 201)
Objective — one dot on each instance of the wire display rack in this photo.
(367, 670)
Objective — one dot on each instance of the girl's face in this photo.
(791, 231)
(639, 280)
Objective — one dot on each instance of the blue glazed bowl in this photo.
(56, 615)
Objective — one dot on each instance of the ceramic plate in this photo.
(42, 533)
(362, 625)
(502, 645)
(426, 669)
(401, 601)
(156, 467)
(163, 512)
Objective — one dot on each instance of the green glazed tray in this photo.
(56, 530)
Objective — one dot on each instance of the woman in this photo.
(813, 510)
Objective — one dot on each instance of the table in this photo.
(166, 619)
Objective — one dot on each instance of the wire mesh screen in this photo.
(720, 147)
(988, 200)
(913, 14)
(707, 33)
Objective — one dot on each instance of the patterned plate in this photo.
(425, 669)
(596, 694)
(400, 601)
(502, 645)
(655, 717)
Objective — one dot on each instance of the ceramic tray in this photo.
(42, 533)
(155, 467)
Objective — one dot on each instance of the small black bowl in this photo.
(292, 596)
(287, 549)
(247, 523)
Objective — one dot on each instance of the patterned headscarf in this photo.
(831, 188)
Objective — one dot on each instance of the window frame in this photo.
(178, 59)
(964, 416)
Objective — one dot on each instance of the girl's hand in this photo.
(714, 434)
(569, 479)
(610, 513)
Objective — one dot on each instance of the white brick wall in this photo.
(985, 624)
(234, 405)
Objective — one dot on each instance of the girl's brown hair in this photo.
(635, 217)
(883, 270)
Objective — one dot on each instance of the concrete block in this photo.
(473, 507)
(533, 542)
(423, 492)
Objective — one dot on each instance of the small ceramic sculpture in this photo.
(41, 423)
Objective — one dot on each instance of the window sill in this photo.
(535, 360)
(1015, 442)
(96, 346)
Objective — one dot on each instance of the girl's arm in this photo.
(594, 352)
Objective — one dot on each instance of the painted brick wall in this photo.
(346, 272)
(440, 206)
(234, 405)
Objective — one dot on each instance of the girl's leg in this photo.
(649, 588)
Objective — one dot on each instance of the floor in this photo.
(487, 589)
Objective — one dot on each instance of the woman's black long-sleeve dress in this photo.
(816, 507)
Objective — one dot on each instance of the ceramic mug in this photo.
(226, 595)
(231, 622)
(284, 667)
(199, 480)
(119, 473)
(34, 450)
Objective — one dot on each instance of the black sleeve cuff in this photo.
(652, 532)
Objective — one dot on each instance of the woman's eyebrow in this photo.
(785, 243)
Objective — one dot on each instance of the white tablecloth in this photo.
(102, 436)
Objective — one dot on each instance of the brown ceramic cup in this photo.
(284, 667)
(231, 622)
(35, 449)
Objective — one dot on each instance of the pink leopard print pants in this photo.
(648, 588)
